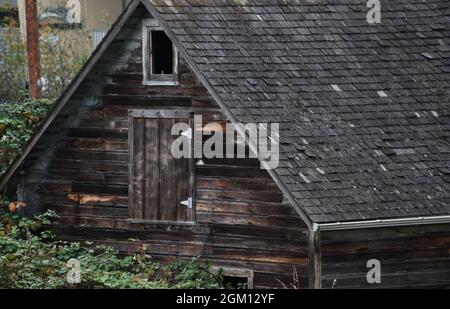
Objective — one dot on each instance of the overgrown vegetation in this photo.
(17, 123)
(63, 53)
(29, 255)
(30, 258)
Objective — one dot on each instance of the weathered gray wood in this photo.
(168, 174)
(182, 169)
(152, 170)
(160, 182)
(314, 260)
(85, 181)
(410, 256)
(138, 176)
(160, 113)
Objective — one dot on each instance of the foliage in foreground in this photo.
(17, 123)
(30, 258)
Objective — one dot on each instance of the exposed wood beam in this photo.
(314, 259)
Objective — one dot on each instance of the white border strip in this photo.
(339, 226)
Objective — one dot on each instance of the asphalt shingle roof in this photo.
(364, 109)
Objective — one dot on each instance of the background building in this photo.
(8, 12)
(89, 19)
(69, 31)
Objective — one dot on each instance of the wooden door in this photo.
(160, 185)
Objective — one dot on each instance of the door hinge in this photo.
(187, 203)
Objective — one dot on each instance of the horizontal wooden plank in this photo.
(242, 208)
(99, 133)
(161, 113)
(75, 199)
(96, 144)
(75, 175)
(230, 184)
(146, 101)
(115, 155)
(239, 196)
(250, 219)
(89, 166)
(226, 171)
(118, 123)
(87, 210)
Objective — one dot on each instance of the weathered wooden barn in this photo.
(364, 115)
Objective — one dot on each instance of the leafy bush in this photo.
(30, 258)
(17, 123)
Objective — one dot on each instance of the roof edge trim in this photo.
(352, 225)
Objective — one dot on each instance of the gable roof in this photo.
(363, 109)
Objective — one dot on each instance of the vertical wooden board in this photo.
(138, 169)
(183, 192)
(168, 181)
(159, 181)
(152, 189)
(192, 178)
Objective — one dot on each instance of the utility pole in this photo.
(32, 30)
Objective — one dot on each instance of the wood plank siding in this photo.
(410, 257)
(80, 169)
(103, 166)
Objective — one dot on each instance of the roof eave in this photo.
(370, 224)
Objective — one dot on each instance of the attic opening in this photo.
(162, 53)
(160, 56)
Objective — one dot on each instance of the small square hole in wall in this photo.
(231, 282)
(237, 278)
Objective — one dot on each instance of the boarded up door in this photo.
(160, 185)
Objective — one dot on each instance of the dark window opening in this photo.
(162, 53)
(231, 282)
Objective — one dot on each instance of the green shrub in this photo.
(30, 258)
(17, 123)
